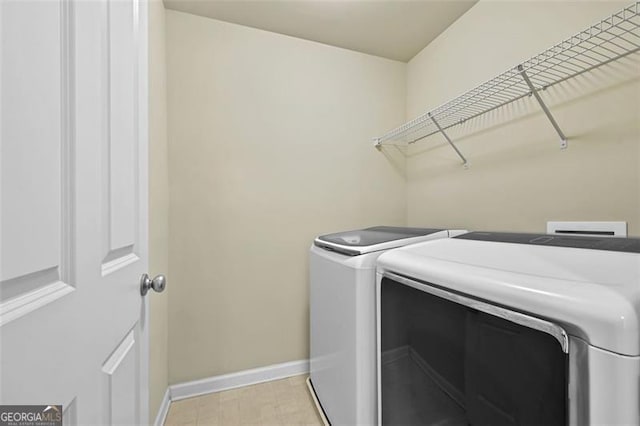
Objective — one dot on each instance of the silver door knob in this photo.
(157, 284)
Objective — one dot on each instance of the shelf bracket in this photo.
(534, 92)
(441, 130)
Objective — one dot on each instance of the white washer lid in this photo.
(594, 294)
(361, 241)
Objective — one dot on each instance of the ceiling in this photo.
(394, 29)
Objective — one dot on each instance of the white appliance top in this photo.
(590, 286)
(361, 241)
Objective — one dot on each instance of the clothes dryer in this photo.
(342, 317)
(501, 328)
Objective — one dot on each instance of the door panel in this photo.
(34, 267)
(73, 207)
(122, 138)
(118, 370)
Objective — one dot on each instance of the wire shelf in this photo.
(608, 40)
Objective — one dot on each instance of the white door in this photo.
(73, 207)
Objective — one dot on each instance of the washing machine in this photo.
(342, 317)
(502, 329)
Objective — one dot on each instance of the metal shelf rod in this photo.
(464, 160)
(534, 91)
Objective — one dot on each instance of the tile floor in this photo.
(281, 402)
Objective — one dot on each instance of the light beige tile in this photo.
(297, 418)
(268, 410)
(280, 384)
(250, 399)
(209, 412)
(209, 407)
(178, 422)
(181, 413)
(209, 421)
(305, 398)
(253, 388)
(184, 405)
(265, 398)
(283, 395)
(312, 417)
(250, 415)
(208, 399)
(230, 412)
(277, 403)
(288, 407)
(231, 394)
(298, 380)
(271, 421)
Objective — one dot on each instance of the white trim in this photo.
(235, 380)
(163, 410)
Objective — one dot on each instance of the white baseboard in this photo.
(164, 409)
(235, 380)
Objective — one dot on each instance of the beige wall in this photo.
(518, 177)
(158, 207)
(270, 145)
